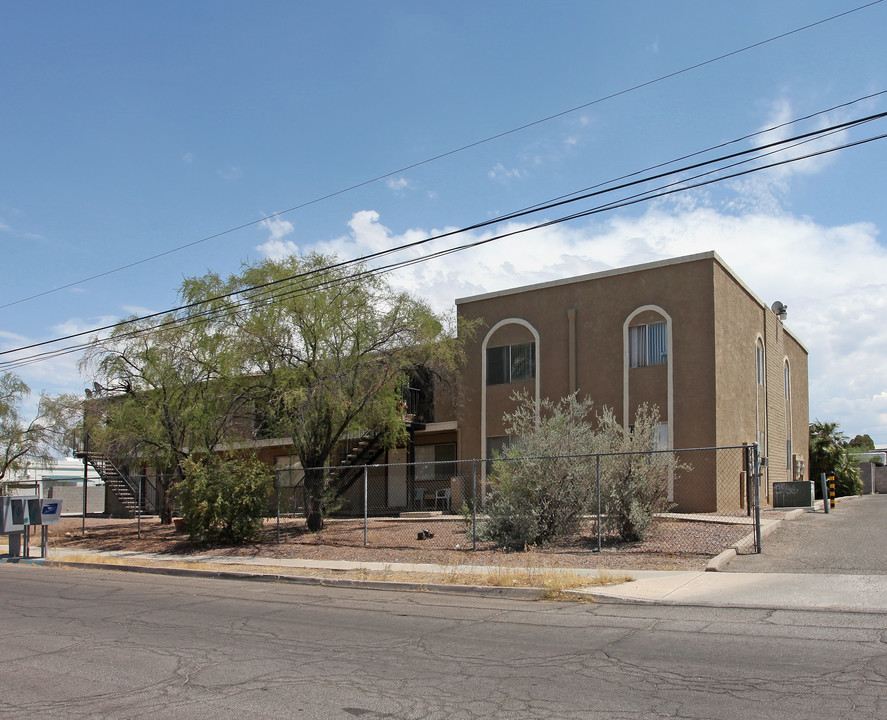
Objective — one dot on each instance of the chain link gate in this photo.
(753, 491)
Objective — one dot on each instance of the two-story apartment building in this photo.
(686, 335)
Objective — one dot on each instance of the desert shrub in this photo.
(545, 482)
(634, 483)
(539, 494)
(223, 500)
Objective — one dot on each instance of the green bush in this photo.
(223, 501)
(545, 483)
(539, 494)
(634, 485)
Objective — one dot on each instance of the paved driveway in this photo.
(850, 540)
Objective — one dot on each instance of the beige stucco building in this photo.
(685, 334)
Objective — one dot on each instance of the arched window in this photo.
(761, 396)
(787, 379)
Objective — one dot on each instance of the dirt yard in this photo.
(672, 544)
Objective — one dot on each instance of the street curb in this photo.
(768, 527)
(717, 563)
(512, 593)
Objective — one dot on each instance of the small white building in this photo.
(63, 480)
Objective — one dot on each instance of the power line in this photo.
(446, 154)
(663, 191)
(558, 202)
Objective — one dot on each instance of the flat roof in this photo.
(709, 255)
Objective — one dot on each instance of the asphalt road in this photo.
(849, 540)
(97, 644)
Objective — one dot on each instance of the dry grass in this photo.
(552, 581)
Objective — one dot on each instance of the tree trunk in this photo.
(165, 483)
(314, 492)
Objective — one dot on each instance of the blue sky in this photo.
(130, 129)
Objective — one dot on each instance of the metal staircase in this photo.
(363, 451)
(124, 488)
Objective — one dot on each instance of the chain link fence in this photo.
(598, 501)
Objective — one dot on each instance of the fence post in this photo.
(757, 500)
(85, 479)
(597, 473)
(365, 503)
(139, 511)
(474, 505)
(749, 470)
(277, 492)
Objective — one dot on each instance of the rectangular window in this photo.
(648, 345)
(511, 363)
(435, 462)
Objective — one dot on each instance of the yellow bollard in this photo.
(831, 491)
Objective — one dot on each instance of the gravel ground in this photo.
(671, 544)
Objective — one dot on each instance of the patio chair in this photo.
(443, 495)
(419, 498)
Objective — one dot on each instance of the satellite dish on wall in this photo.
(780, 310)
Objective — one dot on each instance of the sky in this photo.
(207, 134)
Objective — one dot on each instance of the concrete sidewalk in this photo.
(753, 590)
(842, 589)
(749, 590)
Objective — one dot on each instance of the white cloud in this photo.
(73, 326)
(276, 248)
(188, 158)
(500, 172)
(767, 189)
(277, 228)
(397, 184)
(835, 304)
(137, 310)
(10, 340)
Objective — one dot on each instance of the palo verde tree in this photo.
(333, 345)
(24, 441)
(169, 388)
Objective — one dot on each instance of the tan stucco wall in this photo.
(601, 308)
(739, 322)
(800, 401)
(714, 321)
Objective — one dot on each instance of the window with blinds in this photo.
(648, 345)
(511, 363)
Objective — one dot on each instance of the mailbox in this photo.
(14, 514)
(50, 512)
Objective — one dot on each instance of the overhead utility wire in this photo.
(626, 202)
(380, 253)
(634, 200)
(727, 143)
(503, 218)
(443, 155)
